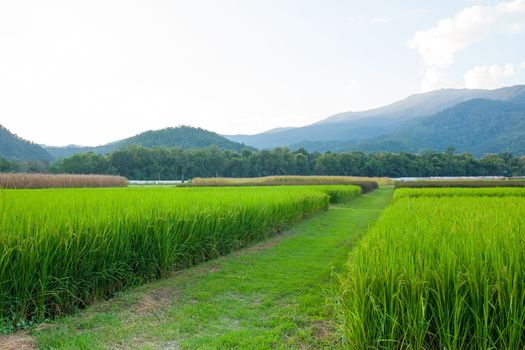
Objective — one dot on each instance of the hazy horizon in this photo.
(92, 73)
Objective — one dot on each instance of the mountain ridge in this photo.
(477, 126)
(379, 121)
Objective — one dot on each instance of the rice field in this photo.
(367, 184)
(64, 248)
(460, 192)
(442, 269)
(24, 180)
(460, 183)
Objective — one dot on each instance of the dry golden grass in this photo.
(287, 180)
(23, 180)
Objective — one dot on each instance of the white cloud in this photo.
(434, 76)
(523, 65)
(488, 77)
(438, 45)
(516, 6)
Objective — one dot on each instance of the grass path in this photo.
(270, 296)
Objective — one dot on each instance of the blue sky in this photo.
(93, 72)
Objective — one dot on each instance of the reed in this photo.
(25, 180)
(366, 184)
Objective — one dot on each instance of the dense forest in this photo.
(14, 147)
(142, 163)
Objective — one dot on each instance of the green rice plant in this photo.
(439, 273)
(367, 184)
(460, 183)
(64, 248)
(460, 192)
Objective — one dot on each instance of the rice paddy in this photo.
(461, 183)
(64, 248)
(460, 192)
(442, 269)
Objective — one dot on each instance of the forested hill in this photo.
(478, 126)
(183, 137)
(16, 148)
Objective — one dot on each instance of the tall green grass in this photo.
(439, 273)
(63, 248)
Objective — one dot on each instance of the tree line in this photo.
(142, 163)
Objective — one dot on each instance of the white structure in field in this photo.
(154, 182)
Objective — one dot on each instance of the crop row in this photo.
(23, 180)
(63, 248)
(439, 273)
(460, 192)
(366, 184)
(460, 183)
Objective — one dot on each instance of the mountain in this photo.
(13, 147)
(355, 126)
(180, 137)
(477, 126)
(432, 102)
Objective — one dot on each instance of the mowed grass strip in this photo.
(439, 273)
(62, 249)
(274, 295)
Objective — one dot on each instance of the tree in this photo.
(328, 164)
(86, 163)
(138, 162)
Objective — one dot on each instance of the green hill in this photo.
(13, 147)
(181, 137)
(184, 137)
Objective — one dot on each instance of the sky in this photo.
(92, 72)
